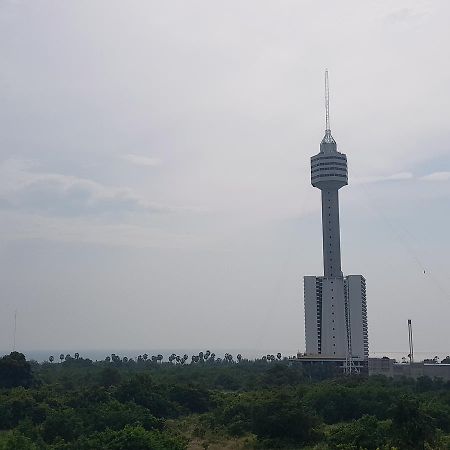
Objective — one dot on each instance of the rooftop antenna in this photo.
(327, 138)
(411, 345)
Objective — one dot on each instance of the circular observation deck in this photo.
(329, 170)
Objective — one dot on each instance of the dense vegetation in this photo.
(151, 404)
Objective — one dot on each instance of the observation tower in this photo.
(335, 306)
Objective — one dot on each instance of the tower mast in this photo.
(328, 139)
(327, 104)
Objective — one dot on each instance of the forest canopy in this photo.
(148, 403)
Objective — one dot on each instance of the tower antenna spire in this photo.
(327, 103)
(328, 139)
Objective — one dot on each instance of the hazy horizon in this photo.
(154, 170)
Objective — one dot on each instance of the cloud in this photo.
(401, 176)
(405, 15)
(23, 188)
(436, 176)
(140, 160)
(19, 225)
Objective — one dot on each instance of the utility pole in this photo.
(411, 345)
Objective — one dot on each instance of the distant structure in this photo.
(335, 305)
(411, 344)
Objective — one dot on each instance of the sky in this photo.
(154, 170)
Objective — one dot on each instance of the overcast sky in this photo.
(154, 169)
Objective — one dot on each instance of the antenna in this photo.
(411, 345)
(328, 139)
(327, 102)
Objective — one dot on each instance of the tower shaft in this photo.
(331, 240)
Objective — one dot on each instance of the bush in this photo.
(131, 438)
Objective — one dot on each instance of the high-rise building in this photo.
(335, 305)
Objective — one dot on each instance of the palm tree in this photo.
(239, 357)
(51, 358)
(77, 355)
(279, 355)
(61, 357)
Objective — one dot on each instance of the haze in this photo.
(154, 170)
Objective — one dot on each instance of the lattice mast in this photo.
(328, 138)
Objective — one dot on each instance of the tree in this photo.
(61, 357)
(15, 371)
(51, 358)
(411, 426)
(15, 441)
(367, 433)
(133, 438)
(109, 376)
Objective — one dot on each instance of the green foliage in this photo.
(109, 376)
(19, 404)
(142, 390)
(148, 404)
(15, 371)
(131, 438)
(367, 433)
(14, 440)
(269, 414)
(411, 426)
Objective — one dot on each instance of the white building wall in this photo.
(357, 307)
(312, 314)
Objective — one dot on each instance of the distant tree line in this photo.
(150, 404)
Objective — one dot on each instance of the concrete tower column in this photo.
(330, 233)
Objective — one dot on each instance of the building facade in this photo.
(335, 305)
